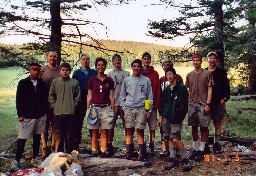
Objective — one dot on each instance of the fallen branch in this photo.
(241, 141)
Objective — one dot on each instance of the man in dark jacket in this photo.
(31, 104)
(173, 109)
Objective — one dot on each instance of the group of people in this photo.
(49, 97)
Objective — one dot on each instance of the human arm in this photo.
(89, 99)
(112, 99)
(52, 95)
(209, 98)
(77, 96)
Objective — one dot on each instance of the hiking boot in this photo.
(200, 156)
(187, 166)
(171, 163)
(143, 158)
(207, 149)
(164, 154)
(128, 156)
(192, 154)
(104, 155)
(94, 153)
(217, 148)
(15, 165)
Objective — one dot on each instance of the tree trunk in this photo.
(56, 23)
(219, 43)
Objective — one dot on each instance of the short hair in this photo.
(65, 65)
(98, 59)
(47, 53)
(196, 55)
(212, 54)
(35, 64)
(167, 60)
(171, 69)
(138, 61)
(146, 54)
(86, 55)
(116, 56)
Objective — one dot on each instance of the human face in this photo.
(52, 58)
(101, 67)
(85, 61)
(146, 61)
(136, 68)
(171, 77)
(34, 73)
(212, 60)
(65, 72)
(166, 65)
(197, 61)
(117, 63)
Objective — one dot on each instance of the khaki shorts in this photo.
(196, 116)
(31, 126)
(135, 118)
(171, 130)
(152, 121)
(105, 119)
(217, 112)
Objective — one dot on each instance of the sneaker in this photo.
(187, 166)
(192, 154)
(15, 165)
(217, 148)
(171, 163)
(200, 156)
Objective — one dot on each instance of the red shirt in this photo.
(100, 89)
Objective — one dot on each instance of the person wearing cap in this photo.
(82, 75)
(166, 63)
(31, 105)
(173, 109)
(136, 89)
(50, 72)
(220, 95)
(100, 107)
(199, 82)
(117, 74)
(64, 97)
(149, 72)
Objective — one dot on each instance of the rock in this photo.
(126, 172)
(148, 171)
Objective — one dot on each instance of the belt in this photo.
(100, 105)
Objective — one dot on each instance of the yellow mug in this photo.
(147, 105)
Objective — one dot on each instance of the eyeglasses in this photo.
(100, 88)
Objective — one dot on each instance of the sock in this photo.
(196, 145)
(217, 138)
(183, 154)
(202, 146)
(172, 153)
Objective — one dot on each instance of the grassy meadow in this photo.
(241, 118)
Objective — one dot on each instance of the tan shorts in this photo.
(31, 126)
(171, 130)
(196, 116)
(152, 121)
(105, 119)
(135, 118)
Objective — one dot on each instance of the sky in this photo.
(124, 22)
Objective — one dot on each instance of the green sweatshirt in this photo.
(174, 103)
(64, 96)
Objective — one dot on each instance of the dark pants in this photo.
(65, 125)
(21, 145)
(80, 113)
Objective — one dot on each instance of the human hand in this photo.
(148, 115)
(160, 121)
(21, 119)
(207, 110)
(222, 102)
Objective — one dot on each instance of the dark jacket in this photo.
(221, 87)
(31, 103)
(174, 103)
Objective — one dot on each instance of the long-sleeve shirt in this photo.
(64, 96)
(134, 92)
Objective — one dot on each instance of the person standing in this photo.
(100, 103)
(148, 71)
(136, 89)
(31, 105)
(82, 75)
(64, 97)
(199, 82)
(220, 95)
(50, 72)
(118, 75)
(163, 84)
(173, 109)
